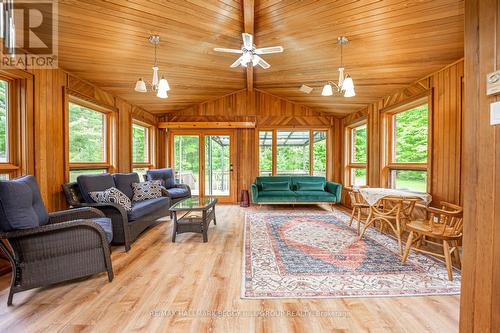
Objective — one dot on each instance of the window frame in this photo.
(311, 131)
(390, 144)
(19, 115)
(351, 165)
(108, 128)
(150, 132)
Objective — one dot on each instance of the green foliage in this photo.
(360, 145)
(411, 128)
(3, 119)
(86, 134)
(139, 144)
(186, 149)
(319, 155)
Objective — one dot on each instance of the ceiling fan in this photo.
(251, 54)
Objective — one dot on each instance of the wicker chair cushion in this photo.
(166, 175)
(21, 205)
(106, 225)
(94, 183)
(177, 192)
(124, 181)
(112, 195)
(146, 207)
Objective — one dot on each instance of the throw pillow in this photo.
(112, 195)
(276, 186)
(311, 186)
(146, 190)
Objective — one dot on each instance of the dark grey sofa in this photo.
(176, 192)
(126, 225)
(46, 248)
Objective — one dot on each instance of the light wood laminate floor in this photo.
(157, 277)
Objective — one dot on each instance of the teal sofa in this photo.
(295, 190)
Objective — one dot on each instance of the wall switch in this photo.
(495, 113)
(493, 83)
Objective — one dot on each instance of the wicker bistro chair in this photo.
(393, 212)
(359, 207)
(445, 225)
(46, 248)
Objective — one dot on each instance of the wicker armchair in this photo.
(65, 245)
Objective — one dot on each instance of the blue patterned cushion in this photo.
(112, 195)
(146, 190)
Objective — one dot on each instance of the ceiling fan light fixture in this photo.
(140, 86)
(327, 90)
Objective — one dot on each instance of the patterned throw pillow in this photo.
(146, 190)
(112, 195)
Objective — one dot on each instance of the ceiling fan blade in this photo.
(237, 62)
(247, 41)
(221, 49)
(269, 50)
(262, 63)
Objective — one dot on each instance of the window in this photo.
(356, 149)
(319, 153)
(408, 131)
(187, 161)
(265, 153)
(142, 152)
(292, 152)
(88, 141)
(4, 121)
(7, 161)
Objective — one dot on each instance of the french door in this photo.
(204, 160)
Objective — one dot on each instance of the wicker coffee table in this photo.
(196, 216)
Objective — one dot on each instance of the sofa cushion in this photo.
(271, 179)
(112, 195)
(166, 175)
(286, 193)
(275, 186)
(21, 205)
(94, 183)
(296, 179)
(106, 225)
(315, 196)
(177, 192)
(310, 186)
(124, 181)
(146, 207)
(146, 190)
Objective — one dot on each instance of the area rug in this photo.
(319, 256)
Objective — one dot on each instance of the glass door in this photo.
(204, 161)
(187, 161)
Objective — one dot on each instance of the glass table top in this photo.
(194, 204)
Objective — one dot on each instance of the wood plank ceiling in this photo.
(393, 43)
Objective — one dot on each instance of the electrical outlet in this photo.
(493, 83)
(495, 113)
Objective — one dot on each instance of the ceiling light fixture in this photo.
(160, 86)
(345, 83)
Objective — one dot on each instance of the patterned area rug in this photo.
(319, 255)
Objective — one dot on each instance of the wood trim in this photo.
(207, 125)
(80, 99)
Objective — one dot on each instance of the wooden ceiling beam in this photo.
(248, 26)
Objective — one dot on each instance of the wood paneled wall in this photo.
(267, 111)
(49, 132)
(445, 87)
(480, 299)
